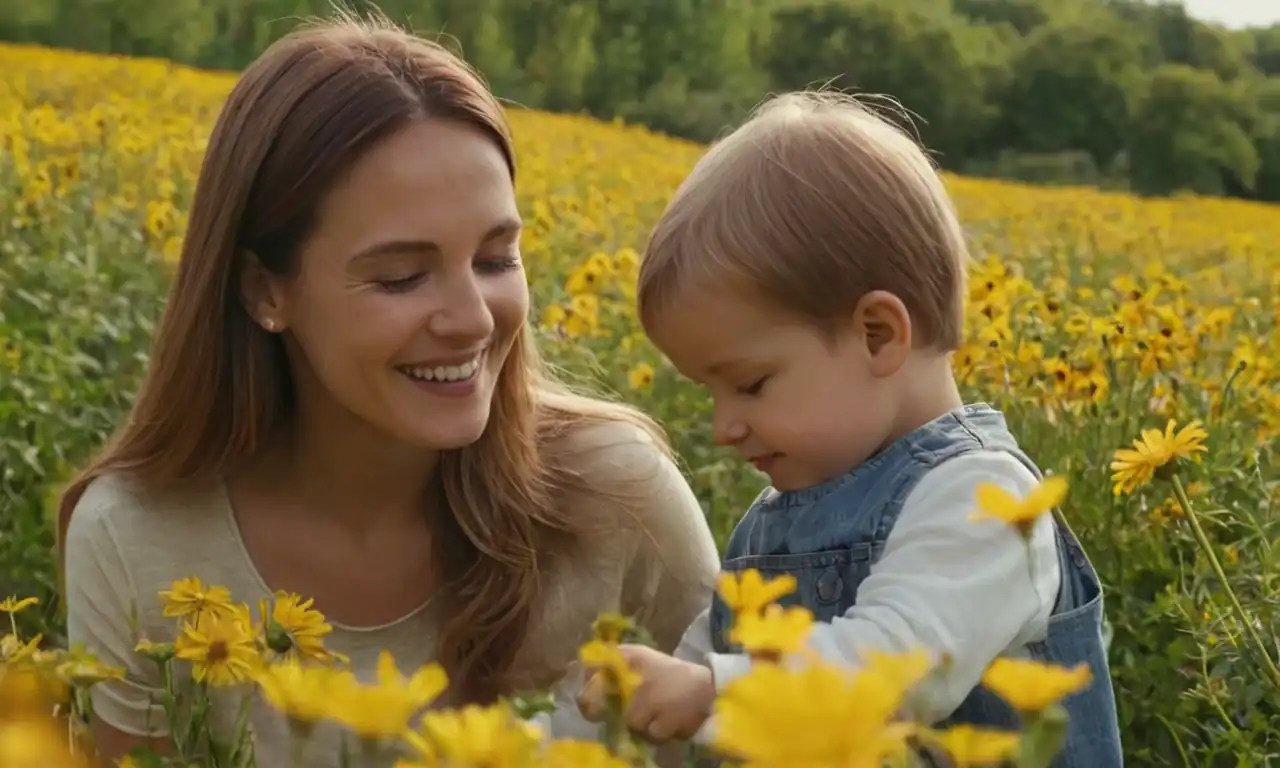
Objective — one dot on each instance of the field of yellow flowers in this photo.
(1093, 318)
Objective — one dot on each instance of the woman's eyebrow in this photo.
(504, 228)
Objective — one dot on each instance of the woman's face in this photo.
(410, 292)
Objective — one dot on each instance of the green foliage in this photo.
(65, 383)
(1061, 68)
(1191, 131)
(985, 80)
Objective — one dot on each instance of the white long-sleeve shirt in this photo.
(957, 587)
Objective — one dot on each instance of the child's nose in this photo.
(728, 430)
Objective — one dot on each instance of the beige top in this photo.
(654, 559)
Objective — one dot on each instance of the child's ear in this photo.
(884, 325)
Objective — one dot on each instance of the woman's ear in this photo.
(884, 326)
(261, 293)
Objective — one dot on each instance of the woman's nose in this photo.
(463, 311)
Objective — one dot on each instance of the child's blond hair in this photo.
(814, 202)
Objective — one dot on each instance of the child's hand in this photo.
(673, 700)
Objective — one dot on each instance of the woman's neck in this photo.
(353, 475)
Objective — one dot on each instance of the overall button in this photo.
(1077, 556)
(830, 586)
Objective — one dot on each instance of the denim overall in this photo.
(828, 536)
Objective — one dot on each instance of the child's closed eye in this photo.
(753, 389)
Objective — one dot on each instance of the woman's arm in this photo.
(673, 572)
(666, 554)
(100, 607)
(671, 579)
(646, 515)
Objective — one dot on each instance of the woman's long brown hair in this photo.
(218, 385)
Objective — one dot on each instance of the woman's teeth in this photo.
(445, 372)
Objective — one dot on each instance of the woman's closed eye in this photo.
(401, 284)
(497, 265)
(485, 266)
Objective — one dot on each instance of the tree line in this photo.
(1120, 93)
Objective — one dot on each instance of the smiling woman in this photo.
(345, 402)
(419, 241)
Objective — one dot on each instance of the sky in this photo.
(1236, 13)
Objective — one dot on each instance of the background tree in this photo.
(1052, 91)
(1193, 132)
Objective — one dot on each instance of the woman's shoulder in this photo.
(621, 472)
(150, 538)
(615, 450)
(645, 531)
(119, 501)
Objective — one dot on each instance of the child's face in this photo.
(801, 406)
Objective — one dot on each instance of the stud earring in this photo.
(269, 324)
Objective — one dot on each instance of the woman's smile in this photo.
(447, 377)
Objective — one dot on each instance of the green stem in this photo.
(614, 728)
(1213, 695)
(301, 734)
(1241, 614)
(1226, 391)
(1117, 556)
(1177, 742)
(1043, 736)
(243, 737)
(170, 700)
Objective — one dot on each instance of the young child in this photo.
(810, 274)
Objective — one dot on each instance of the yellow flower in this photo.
(291, 624)
(14, 605)
(384, 708)
(969, 746)
(1031, 686)
(601, 262)
(610, 627)
(620, 678)
(748, 592)
(1132, 469)
(900, 671)
(571, 753)
(996, 503)
(27, 691)
(161, 218)
(190, 597)
(157, 652)
(777, 717)
(576, 325)
(82, 669)
(300, 692)
(640, 376)
(483, 737)
(220, 646)
(587, 278)
(554, 316)
(35, 743)
(13, 650)
(774, 632)
(626, 261)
